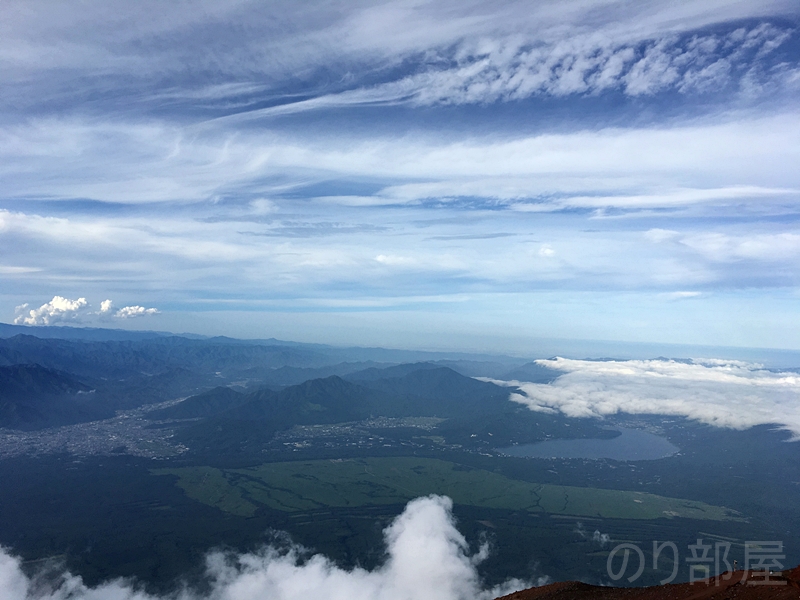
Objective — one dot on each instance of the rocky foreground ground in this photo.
(739, 585)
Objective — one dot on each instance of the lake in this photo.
(631, 444)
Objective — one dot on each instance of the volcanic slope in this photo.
(739, 585)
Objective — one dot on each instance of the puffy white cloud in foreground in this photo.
(58, 309)
(427, 559)
(729, 394)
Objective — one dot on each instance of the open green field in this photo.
(318, 484)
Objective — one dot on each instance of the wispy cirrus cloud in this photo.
(233, 57)
(746, 159)
(513, 69)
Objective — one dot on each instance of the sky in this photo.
(437, 175)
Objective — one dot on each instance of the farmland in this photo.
(311, 485)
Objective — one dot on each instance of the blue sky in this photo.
(470, 175)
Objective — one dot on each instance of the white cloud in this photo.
(683, 295)
(61, 309)
(660, 199)
(275, 41)
(262, 206)
(427, 559)
(15, 270)
(770, 247)
(721, 393)
(601, 538)
(393, 260)
(589, 64)
(128, 312)
(657, 235)
(57, 310)
(746, 160)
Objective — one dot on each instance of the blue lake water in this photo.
(631, 444)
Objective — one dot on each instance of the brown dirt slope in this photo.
(740, 585)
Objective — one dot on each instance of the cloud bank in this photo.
(428, 559)
(730, 394)
(61, 309)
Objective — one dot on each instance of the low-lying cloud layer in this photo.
(61, 309)
(729, 394)
(427, 559)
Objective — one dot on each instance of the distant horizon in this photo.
(549, 347)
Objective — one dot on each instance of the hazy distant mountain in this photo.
(33, 379)
(125, 358)
(251, 420)
(430, 390)
(480, 368)
(531, 372)
(474, 412)
(328, 400)
(130, 373)
(33, 396)
(207, 404)
(323, 354)
(80, 333)
(375, 373)
(287, 375)
(424, 390)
